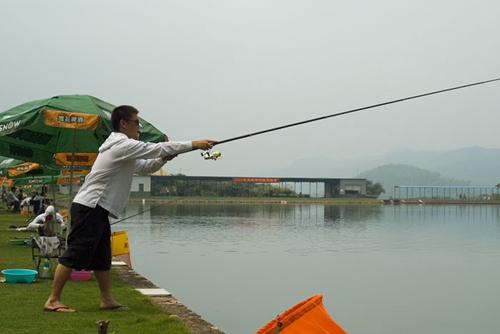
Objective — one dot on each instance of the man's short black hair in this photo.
(122, 112)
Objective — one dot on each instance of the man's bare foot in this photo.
(114, 305)
(117, 307)
(60, 309)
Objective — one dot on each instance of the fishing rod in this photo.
(152, 208)
(215, 155)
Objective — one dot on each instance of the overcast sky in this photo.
(223, 68)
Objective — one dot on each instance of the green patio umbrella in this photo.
(34, 182)
(12, 168)
(63, 131)
(27, 176)
(15, 172)
(27, 182)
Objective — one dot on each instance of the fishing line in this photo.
(352, 111)
(154, 207)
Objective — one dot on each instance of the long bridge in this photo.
(446, 192)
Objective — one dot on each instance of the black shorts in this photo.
(89, 245)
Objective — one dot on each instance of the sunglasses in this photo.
(136, 121)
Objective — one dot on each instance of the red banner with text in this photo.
(256, 179)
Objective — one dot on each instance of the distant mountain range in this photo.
(474, 166)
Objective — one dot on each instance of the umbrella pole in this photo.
(53, 190)
(72, 166)
(53, 198)
(68, 227)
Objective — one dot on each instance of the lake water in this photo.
(404, 269)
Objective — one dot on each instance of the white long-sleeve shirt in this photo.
(11, 197)
(40, 219)
(108, 183)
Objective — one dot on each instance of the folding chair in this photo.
(49, 247)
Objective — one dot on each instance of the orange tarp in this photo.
(307, 317)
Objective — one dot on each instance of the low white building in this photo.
(141, 186)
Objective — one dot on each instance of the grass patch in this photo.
(22, 304)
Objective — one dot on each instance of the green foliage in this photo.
(220, 189)
(374, 188)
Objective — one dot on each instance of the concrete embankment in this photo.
(256, 200)
(329, 201)
(396, 201)
(165, 300)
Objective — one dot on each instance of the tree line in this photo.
(166, 187)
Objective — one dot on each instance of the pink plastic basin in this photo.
(80, 275)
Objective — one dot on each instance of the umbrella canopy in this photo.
(30, 182)
(5, 182)
(63, 131)
(12, 168)
(46, 179)
(15, 172)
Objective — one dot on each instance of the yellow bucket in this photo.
(64, 214)
(24, 213)
(119, 243)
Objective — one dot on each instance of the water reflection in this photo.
(352, 213)
(381, 269)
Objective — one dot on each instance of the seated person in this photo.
(47, 224)
(34, 200)
(12, 199)
(20, 196)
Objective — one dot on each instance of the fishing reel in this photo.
(211, 156)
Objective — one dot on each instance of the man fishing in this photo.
(105, 193)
